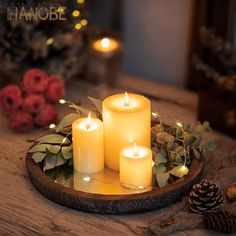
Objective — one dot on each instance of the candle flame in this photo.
(88, 121)
(105, 42)
(126, 100)
(135, 149)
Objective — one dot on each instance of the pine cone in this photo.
(205, 197)
(221, 221)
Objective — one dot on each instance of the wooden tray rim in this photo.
(57, 192)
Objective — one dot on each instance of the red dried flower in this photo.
(10, 98)
(55, 90)
(35, 81)
(21, 121)
(33, 103)
(47, 115)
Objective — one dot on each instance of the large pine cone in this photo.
(205, 197)
(221, 221)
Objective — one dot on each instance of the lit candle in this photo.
(106, 45)
(125, 117)
(88, 146)
(136, 167)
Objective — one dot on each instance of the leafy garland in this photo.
(173, 150)
(173, 146)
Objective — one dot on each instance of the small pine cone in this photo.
(205, 197)
(220, 221)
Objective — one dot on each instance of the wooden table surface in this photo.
(24, 211)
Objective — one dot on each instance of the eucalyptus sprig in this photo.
(56, 149)
(174, 147)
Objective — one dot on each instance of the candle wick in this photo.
(135, 149)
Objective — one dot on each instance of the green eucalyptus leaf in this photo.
(197, 154)
(60, 160)
(83, 110)
(197, 142)
(50, 161)
(191, 139)
(206, 125)
(160, 158)
(158, 128)
(179, 132)
(160, 168)
(67, 121)
(163, 137)
(38, 156)
(54, 149)
(180, 150)
(70, 162)
(39, 148)
(211, 145)
(162, 179)
(97, 103)
(154, 171)
(178, 171)
(67, 152)
(200, 129)
(53, 139)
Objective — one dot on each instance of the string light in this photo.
(50, 41)
(62, 101)
(61, 9)
(84, 22)
(75, 13)
(179, 124)
(86, 178)
(140, 187)
(52, 126)
(80, 1)
(155, 114)
(183, 168)
(78, 26)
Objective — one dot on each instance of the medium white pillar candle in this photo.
(136, 167)
(88, 145)
(125, 117)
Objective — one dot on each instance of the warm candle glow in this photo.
(122, 116)
(136, 167)
(88, 121)
(126, 100)
(88, 146)
(105, 42)
(106, 45)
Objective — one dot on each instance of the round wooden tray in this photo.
(113, 204)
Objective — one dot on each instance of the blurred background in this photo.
(163, 40)
(188, 44)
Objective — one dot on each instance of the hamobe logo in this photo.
(44, 11)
